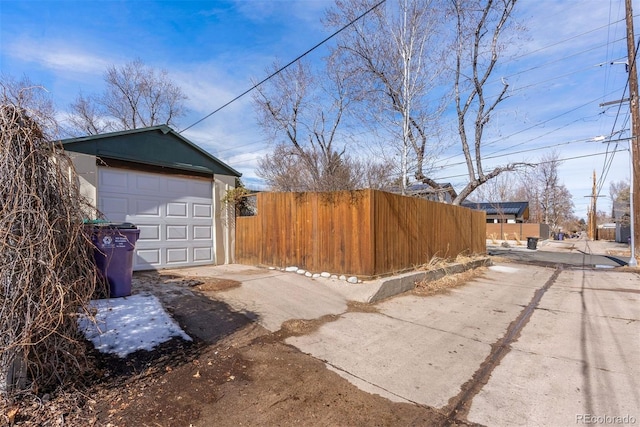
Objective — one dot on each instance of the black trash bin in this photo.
(532, 242)
(113, 254)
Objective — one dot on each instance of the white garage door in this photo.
(174, 215)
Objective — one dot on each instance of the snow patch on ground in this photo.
(125, 325)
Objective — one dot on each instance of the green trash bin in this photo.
(113, 253)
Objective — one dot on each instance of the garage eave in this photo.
(156, 145)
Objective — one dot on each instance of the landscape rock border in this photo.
(372, 291)
(324, 274)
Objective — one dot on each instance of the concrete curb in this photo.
(401, 283)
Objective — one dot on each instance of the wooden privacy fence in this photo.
(606, 234)
(364, 233)
(509, 231)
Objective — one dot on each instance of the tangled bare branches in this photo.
(46, 269)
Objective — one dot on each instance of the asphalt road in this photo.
(577, 257)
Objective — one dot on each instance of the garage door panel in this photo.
(204, 254)
(149, 233)
(177, 186)
(147, 257)
(147, 184)
(200, 189)
(201, 232)
(202, 210)
(175, 221)
(147, 207)
(177, 209)
(177, 232)
(118, 207)
(177, 255)
(113, 180)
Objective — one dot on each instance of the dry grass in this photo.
(517, 239)
(361, 307)
(297, 327)
(449, 281)
(437, 263)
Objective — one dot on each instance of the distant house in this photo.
(622, 221)
(502, 212)
(167, 186)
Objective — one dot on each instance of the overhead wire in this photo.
(535, 125)
(568, 39)
(281, 69)
(545, 147)
(491, 155)
(607, 166)
(538, 163)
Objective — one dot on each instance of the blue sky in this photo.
(213, 49)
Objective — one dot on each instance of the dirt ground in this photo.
(234, 373)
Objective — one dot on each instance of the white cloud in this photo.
(57, 55)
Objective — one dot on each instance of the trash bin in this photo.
(113, 254)
(532, 242)
(560, 236)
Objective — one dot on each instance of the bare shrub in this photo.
(47, 274)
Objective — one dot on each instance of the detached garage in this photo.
(167, 186)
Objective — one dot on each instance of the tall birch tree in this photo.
(392, 52)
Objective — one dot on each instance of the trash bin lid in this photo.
(94, 221)
(117, 225)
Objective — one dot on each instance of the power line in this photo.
(568, 39)
(564, 58)
(522, 151)
(606, 168)
(537, 164)
(286, 66)
(535, 125)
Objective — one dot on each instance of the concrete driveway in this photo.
(520, 345)
(577, 252)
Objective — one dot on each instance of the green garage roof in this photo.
(156, 146)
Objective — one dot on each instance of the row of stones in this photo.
(324, 274)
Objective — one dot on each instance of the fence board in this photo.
(509, 231)
(365, 233)
(606, 234)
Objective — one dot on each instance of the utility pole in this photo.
(592, 227)
(634, 143)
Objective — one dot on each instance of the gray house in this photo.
(170, 188)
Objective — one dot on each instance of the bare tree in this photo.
(550, 201)
(500, 189)
(86, 118)
(398, 70)
(620, 201)
(302, 113)
(479, 27)
(135, 96)
(34, 100)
